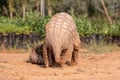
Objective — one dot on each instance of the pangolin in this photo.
(61, 40)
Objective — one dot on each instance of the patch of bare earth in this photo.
(91, 67)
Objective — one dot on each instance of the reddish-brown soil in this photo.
(91, 67)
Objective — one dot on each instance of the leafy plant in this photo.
(36, 23)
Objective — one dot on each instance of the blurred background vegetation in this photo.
(25, 16)
(93, 17)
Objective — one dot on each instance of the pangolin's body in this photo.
(61, 39)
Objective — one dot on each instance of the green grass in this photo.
(101, 48)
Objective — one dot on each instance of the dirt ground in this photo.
(91, 67)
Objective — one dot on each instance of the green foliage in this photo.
(35, 23)
(9, 26)
(4, 29)
(84, 26)
(88, 27)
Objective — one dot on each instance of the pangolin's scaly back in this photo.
(59, 28)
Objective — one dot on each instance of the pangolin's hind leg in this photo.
(50, 57)
(45, 56)
(75, 55)
(67, 55)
